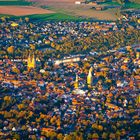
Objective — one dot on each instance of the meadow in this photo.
(128, 5)
(14, 2)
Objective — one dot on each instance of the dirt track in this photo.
(23, 10)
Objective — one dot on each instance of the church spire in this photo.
(89, 77)
(76, 84)
(31, 62)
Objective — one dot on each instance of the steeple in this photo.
(89, 77)
(31, 62)
(137, 55)
(76, 84)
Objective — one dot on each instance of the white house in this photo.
(77, 2)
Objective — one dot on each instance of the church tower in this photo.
(89, 78)
(31, 62)
(76, 84)
(137, 55)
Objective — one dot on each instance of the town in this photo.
(70, 80)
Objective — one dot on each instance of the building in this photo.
(67, 60)
(77, 2)
(89, 78)
(76, 84)
(31, 62)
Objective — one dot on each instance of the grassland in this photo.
(47, 17)
(54, 16)
(128, 5)
(132, 5)
(15, 2)
(84, 11)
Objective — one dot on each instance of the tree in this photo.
(7, 98)
(104, 135)
(95, 136)
(100, 127)
(60, 136)
(121, 2)
(112, 136)
(10, 50)
(21, 106)
(32, 47)
(15, 70)
(26, 19)
(118, 134)
(67, 137)
(16, 136)
(7, 114)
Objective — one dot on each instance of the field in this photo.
(54, 16)
(85, 11)
(129, 5)
(15, 2)
(133, 5)
(20, 8)
(65, 9)
(59, 9)
(69, 7)
(23, 10)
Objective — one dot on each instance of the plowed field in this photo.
(23, 10)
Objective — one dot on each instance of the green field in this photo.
(110, 3)
(14, 2)
(10, 0)
(55, 16)
(127, 5)
(52, 17)
(47, 17)
(132, 5)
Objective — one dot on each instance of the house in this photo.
(94, 3)
(100, 8)
(77, 2)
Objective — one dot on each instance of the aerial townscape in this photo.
(69, 70)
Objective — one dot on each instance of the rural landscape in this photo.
(110, 10)
(69, 69)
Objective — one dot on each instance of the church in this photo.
(31, 62)
(89, 80)
(77, 89)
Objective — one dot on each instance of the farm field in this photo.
(69, 7)
(20, 8)
(126, 6)
(23, 10)
(9, 0)
(14, 2)
(63, 9)
(52, 17)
